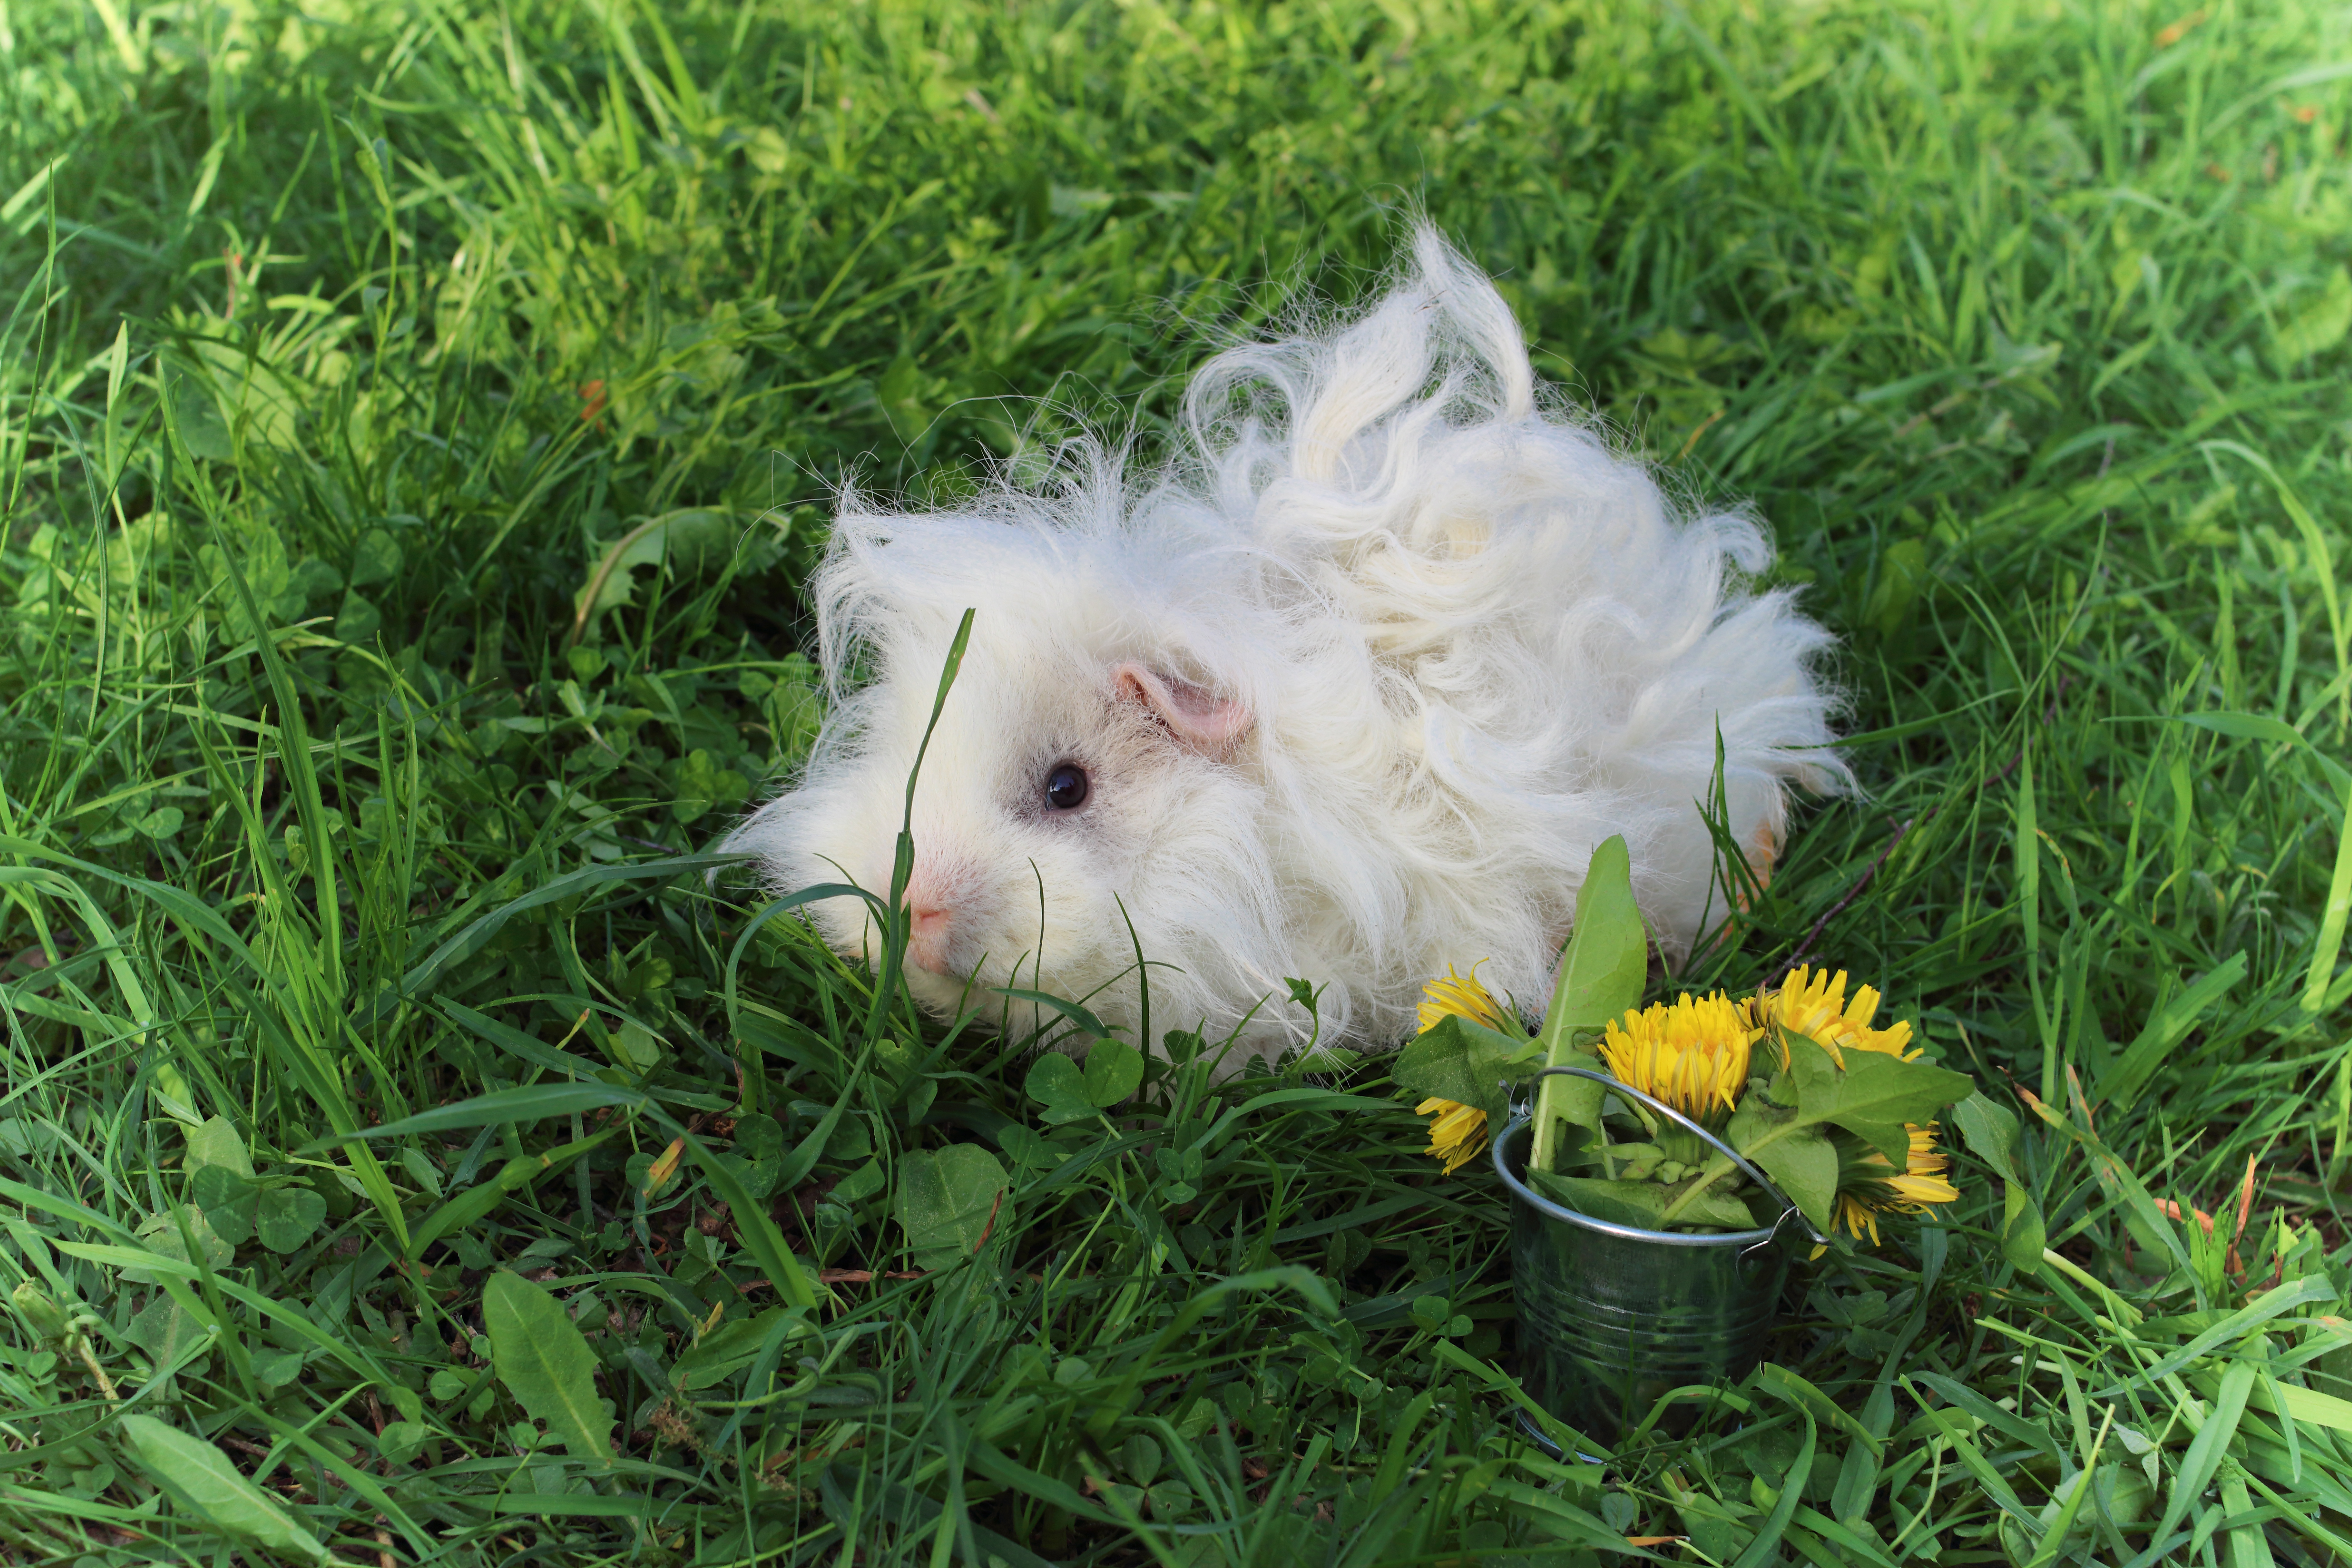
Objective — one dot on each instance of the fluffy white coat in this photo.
(1356, 684)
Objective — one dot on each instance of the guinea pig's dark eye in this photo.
(1066, 787)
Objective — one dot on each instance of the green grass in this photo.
(2024, 325)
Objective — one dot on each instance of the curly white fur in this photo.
(1358, 684)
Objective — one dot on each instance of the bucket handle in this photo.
(1747, 1168)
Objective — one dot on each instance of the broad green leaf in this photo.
(1055, 1082)
(868, 1179)
(161, 1234)
(1990, 1131)
(1643, 1204)
(540, 1355)
(2319, 326)
(1466, 1062)
(2023, 1235)
(198, 417)
(1902, 572)
(1991, 1134)
(375, 559)
(162, 1328)
(286, 1217)
(1804, 1165)
(1114, 1068)
(357, 620)
(217, 1143)
(426, 1174)
(227, 1201)
(1601, 975)
(20, 1137)
(205, 1483)
(946, 1199)
(400, 1440)
(1873, 1097)
(759, 1136)
(688, 541)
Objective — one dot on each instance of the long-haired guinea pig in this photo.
(1348, 690)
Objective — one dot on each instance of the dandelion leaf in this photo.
(1601, 973)
(2023, 1232)
(204, 1483)
(543, 1359)
(1873, 1097)
(1464, 1062)
(1990, 1131)
(1643, 1204)
(1802, 1162)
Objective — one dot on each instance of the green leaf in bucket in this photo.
(1642, 1204)
(1601, 976)
(1804, 1166)
(1874, 1096)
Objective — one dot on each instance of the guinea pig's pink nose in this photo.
(927, 937)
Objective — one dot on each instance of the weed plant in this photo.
(415, 423)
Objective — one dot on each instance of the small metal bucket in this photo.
(1613, 1316)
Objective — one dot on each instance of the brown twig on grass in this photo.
(986, 1230)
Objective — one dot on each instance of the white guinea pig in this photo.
(1349, 691)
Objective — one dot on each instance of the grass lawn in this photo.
(415, 423)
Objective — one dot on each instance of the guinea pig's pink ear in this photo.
(1212, 725)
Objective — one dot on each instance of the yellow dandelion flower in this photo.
(1864, 1194)
(1463, 996)
(1693, 1055)
(1457, 1133)
(1812, 1002)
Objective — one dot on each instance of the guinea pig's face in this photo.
(1060, 788)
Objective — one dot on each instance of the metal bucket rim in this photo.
(1521, 1193)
